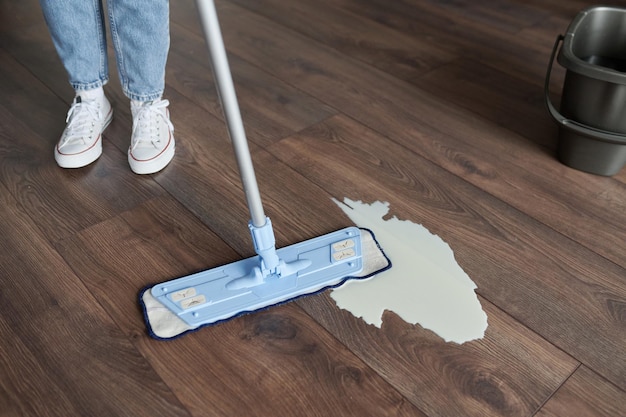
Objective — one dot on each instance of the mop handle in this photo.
(228, 98)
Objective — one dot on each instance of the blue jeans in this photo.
(140, 35)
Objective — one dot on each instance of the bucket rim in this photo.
(569, 60)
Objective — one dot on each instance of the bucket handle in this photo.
(572, 124)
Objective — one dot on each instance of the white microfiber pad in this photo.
(163, 324)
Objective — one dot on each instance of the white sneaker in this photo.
(152, 142)
(81, 141)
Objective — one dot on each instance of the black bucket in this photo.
(592, 117)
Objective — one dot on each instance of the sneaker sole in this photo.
(86, 157)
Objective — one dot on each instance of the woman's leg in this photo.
(141, 38)
(78, 33)
(140, 34)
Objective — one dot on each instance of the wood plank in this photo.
(27, 389)
(498, 97)
(16, 15)
(30, 44)
(493, 376)
(276, 362)
(396, 53)
(562, 291)
(270, 108)
(61, 340)
(506, 16)
(453, 75)
(585, 394)
(20, 88)
(462, 29)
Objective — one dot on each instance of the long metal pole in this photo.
(228, 98)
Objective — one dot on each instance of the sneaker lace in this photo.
(145, 126)
(80, 121)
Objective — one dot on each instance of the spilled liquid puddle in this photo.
(425, 285)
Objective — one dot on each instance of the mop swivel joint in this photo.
(265, 246)
(270, 265)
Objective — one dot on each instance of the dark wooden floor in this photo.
(434, 106)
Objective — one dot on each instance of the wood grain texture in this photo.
(434, 106)
(493, 376)
(271, 108)
(360, 38)
(66, 355)
(585, 395)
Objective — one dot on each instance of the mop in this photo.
(273, 276)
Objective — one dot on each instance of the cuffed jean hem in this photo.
(143, 97)
(88, 86)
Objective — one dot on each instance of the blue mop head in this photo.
(187, 304)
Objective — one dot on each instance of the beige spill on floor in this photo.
(425, 286)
